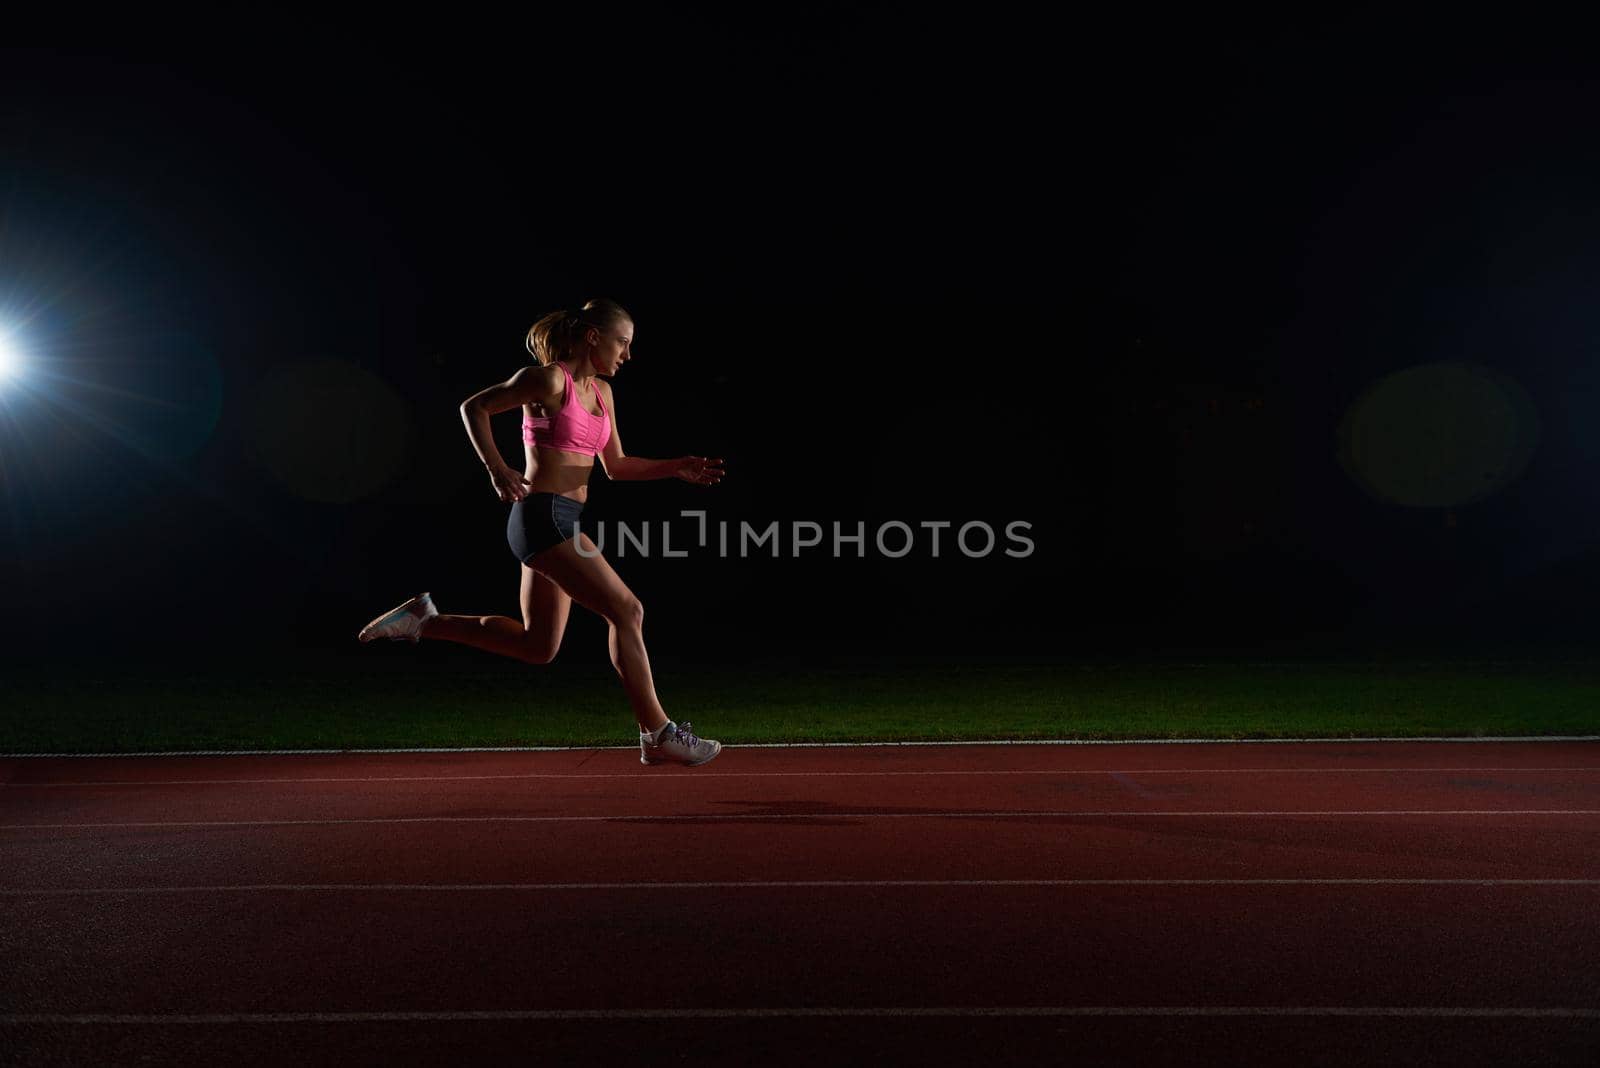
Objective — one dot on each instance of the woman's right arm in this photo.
(531, 385)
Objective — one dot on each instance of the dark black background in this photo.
(1120, 279)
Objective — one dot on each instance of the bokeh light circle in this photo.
(1439, 435)
(328, 430)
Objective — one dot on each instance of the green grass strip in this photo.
(583, 704)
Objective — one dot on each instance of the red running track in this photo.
(1333, 903)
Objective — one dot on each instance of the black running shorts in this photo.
(539, 521)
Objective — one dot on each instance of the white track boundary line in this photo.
(804, 745)
(809, 884)
(730, 817)
(1001, 1011)
(710, 775)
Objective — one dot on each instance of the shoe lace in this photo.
(686, 736)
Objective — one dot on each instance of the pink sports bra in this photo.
(573, 428)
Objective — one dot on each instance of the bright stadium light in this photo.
(10, 359)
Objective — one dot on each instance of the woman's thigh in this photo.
(544, 605)
(586, 577)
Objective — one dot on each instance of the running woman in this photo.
(568, 421)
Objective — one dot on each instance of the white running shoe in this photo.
(404, 622)
(677, 745)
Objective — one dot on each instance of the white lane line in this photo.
(1449, 1012)
(807, 884)
(644, 776)
(813, 745)
(726, 817)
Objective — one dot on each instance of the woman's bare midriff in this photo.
(554, 471)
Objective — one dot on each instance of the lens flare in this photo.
(328, 429)
(10, 358)
(1439, 435)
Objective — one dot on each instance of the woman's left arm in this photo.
(621, 467)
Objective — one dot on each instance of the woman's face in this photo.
(611, 348)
